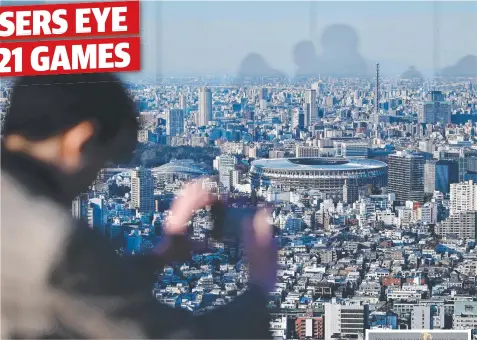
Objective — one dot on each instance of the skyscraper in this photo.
(79, 207)
(263, 93)
(406, 176)
(226, 165)
(350, 192)
(464, 157)
(175, 122)
(447, 173)
(98, 215)
(309, 109)
(205, 107)
(298, 119)
(376, 93)
(183, 103)
(434, 109)
(430, 176)
(142, 190)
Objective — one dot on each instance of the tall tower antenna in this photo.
(436, 42)
(151, 52)
(312, 20)
(376, 97)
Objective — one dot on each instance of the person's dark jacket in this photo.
(62, 280)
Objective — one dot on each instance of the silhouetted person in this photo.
(63, 280)
(305, 57)
(255, 66)
(340, 56)
(465, 67)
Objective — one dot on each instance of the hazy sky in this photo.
(213, 37)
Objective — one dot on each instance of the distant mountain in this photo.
(412, 73)
(254, 65)
(465, 67)
(391, 68)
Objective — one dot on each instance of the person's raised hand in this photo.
(261, 251)
(192, 197)
(174, 244)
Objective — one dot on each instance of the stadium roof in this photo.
(186, 166)
(319, 163)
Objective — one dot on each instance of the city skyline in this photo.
(369, 174)
(371, 186)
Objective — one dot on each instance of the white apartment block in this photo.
(347, 320)
(463, 197)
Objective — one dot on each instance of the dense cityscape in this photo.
(373, 183)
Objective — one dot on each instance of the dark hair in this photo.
(46, 106)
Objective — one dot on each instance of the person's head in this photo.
(340, 40)
(304, 54)
(77, 123)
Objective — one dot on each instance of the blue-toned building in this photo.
(133, 242)
(386, 320)
(98, 215)
(446, 173)
(470, 176)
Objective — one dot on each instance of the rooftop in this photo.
(319, 163)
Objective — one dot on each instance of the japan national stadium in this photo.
(327, 175)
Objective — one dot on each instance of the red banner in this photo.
(69, 20)
(45, 25)
(70, 56)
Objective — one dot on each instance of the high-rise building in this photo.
(439, 175)
(298, 119)
(205, 107)
(472, 164)
(461, 225)
(147, 119)
(309, 326)
(234, 178)
(133, 242)
(307, 151)
(183, 103)
(354, 149)
(98, 215)
(350, 192)
(142, 190)
(430, 176)
(463, 197)
(421, 317)
(447, 173)
(377, 91)
(347, 320)
(79, 207)
(226, 167)
(263, 94)
(406, 176)
(278, 326)
(175, 122)
(434, 109)
(310, 111)
(465, 315)
(465, 158)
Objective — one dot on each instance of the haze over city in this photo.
(212, 38)
(355, 123)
